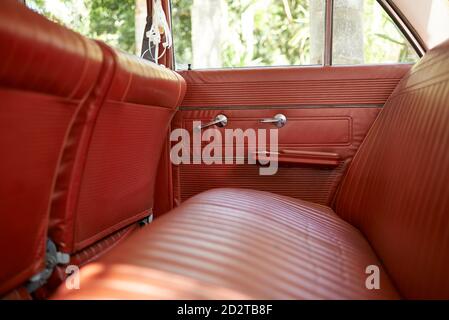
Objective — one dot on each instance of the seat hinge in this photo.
(145, 221)
(52, 258)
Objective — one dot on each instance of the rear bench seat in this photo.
(392, 211)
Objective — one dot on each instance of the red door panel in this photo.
(329, 111)
(292, 86)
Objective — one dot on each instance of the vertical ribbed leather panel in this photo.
(396, 190)
(118, 182)
(109, 164)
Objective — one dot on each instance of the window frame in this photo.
(404, 26)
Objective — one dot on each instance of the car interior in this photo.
(89, 188)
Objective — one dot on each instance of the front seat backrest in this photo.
(397, 188)
(46, 72)
(112, 185)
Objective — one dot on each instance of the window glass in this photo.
(365, 34)
(241, 33)
(120, 23)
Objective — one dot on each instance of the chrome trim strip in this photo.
(328, 32)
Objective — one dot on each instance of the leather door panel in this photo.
(329, 110)
(292, 86)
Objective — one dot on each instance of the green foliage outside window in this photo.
(112, 21)
(280, 38)
(383, 40)
(182, 23)
(283, 33)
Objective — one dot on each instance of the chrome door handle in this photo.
(278, 120)
(220, 121)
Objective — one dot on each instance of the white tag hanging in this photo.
(158, 28)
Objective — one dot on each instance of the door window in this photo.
(247, 33)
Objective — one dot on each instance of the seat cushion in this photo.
(238, 244)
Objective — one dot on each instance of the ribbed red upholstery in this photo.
(295, 182)
(110, 170)
(46, 72)
(235, 243)
(94, 251)
(291, 86)
(339, 130)
(329, 109)
(396, 190)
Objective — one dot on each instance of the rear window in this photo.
(119, 23)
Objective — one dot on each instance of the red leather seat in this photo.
(240, 244)
(109, 168)
(46, 73)
(248, 244)
(82, 129)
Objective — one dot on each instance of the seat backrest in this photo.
(397, 188)
(112, 184)
(46, 72)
